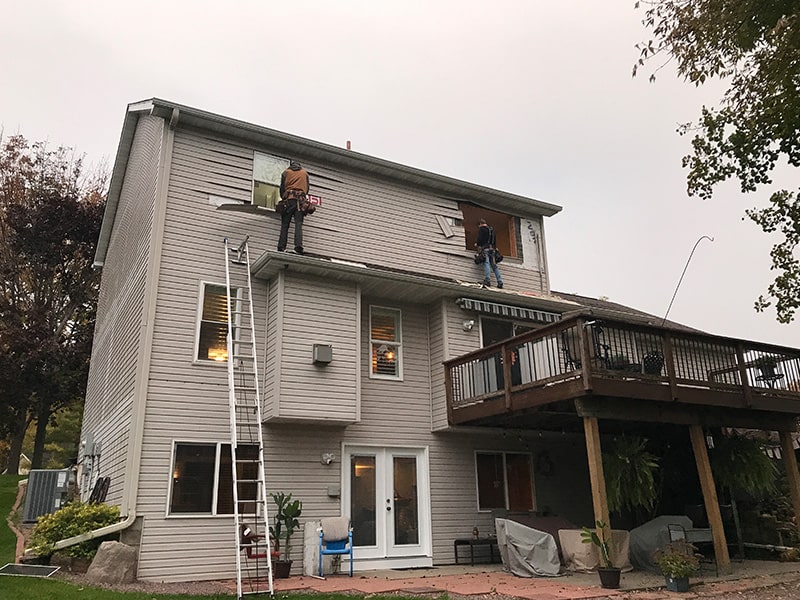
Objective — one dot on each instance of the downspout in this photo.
(145, 348)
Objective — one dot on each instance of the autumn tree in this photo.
(754, 46)
(50, 215)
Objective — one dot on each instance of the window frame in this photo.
(506, 496)
(201, 296)
(284, 162)
(397, 344)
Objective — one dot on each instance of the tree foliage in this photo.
(754, 45)
(50, 215)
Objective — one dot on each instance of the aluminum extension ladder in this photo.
(253, 548)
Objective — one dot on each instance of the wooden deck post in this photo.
(710, 499)
(591, 428)
(792, 475)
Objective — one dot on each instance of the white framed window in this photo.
(504, 480)
(212, 327)
(385, 339)
(267, 171)
(202, 479)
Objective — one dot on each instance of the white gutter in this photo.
(90, 535)
(134, 454)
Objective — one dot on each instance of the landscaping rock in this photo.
(114, 563)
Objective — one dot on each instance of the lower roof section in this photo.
(406, 286)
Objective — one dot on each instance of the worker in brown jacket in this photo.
(294, 192)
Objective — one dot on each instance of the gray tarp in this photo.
(654, 534)
(526, 552)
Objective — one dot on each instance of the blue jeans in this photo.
(490, 266)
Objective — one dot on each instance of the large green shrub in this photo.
(629, 470)
(73, 519)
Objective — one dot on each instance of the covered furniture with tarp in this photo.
(654, 534)
(583, 558)
(526, 552)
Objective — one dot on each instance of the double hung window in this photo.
(385, 343)
(505, 481)
(212, 330)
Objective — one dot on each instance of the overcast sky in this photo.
(531, 97)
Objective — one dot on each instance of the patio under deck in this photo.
(573, 373)
(619, 370)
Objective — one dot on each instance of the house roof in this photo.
(614, 310)
(302, 148)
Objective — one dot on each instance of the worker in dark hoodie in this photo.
(294, 192)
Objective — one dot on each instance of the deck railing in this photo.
(585, 349)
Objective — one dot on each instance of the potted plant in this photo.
(630, 473)
(609, 574)
(678, 561)
(766, 363)
(284, 523)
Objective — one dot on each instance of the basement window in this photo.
(505, 481)
(267, 171)
(505, 228)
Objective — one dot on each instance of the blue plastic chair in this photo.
(337, 540)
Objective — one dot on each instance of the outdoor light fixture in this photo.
(468, 324)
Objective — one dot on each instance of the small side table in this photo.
(472, 542)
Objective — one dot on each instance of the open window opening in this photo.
(505, 228)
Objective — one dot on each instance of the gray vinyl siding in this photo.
(188, 400)
(110, 392)
(272, 345)
(456, 342)
(438, 351)
(318, 312)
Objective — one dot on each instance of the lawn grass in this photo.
(8, 540)
(30, 588)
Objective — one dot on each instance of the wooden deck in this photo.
(620, 370)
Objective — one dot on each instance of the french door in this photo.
(387, 498)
